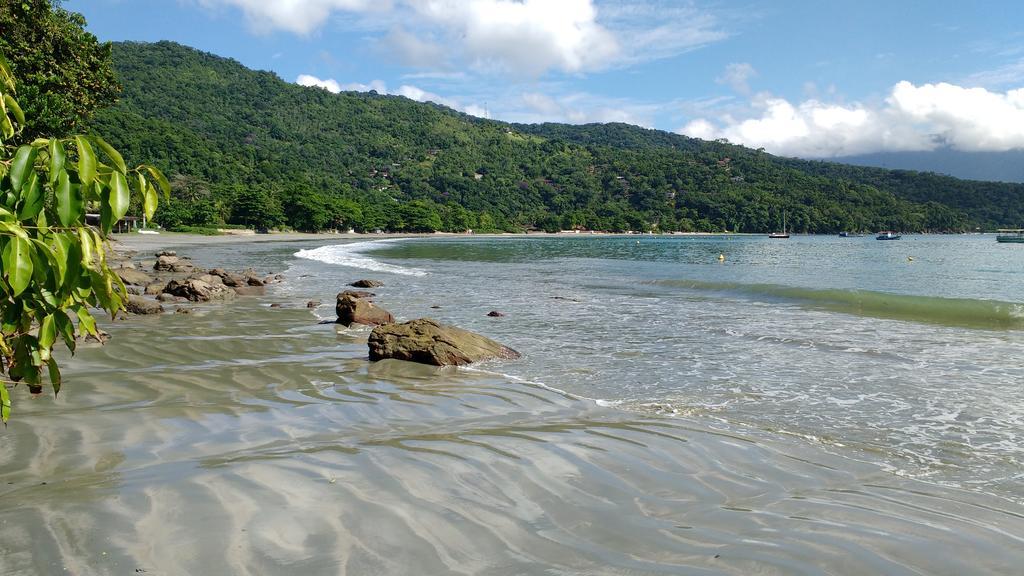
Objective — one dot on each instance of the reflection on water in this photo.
(249, 440)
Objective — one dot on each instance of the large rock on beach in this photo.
(352, 310)
(139, 305)
(173, 264)
(428, 342)
(198, 290)
(133, 277)
(356, 294)
(367, 284)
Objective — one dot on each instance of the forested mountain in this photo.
(249, 148)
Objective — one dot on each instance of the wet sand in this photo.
(248, 440)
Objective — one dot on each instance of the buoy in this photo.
(721, 257)
(910, 258)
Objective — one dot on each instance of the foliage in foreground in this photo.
(64, 74)
(54, 264)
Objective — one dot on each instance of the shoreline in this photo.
(135, 241)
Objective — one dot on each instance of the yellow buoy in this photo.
(721, 257)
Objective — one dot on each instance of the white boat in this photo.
(782, 234)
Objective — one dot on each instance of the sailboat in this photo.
(782, 234)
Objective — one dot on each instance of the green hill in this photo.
(248, 148)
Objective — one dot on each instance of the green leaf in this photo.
(6, 127)
(55, 378)
(13, 106)
(66, 329)
(31, 198)
(161, 181)
(69, 200)
(17, 260)
(22, 166)
(120, 196)
(54, 371)
(47, 332)
(57, 158)
(86, 321)
(13, 228)
(85, 242)
(86, 161)
(111, 153)
(149, 202)
(5, 403)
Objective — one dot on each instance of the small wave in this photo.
(353, 255)
(960, 312)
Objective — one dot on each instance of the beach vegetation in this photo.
(54, 270)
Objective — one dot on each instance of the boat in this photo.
(782, 234)
(1012, 235)
(849, 235)
(887, 236)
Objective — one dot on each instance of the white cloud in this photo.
(298, 16)
(524, 38)
(911, 118)
(578, 108)
(737, 75)
(409, 91)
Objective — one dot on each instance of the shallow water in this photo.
(652, 427)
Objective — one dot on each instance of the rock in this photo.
(352, 310)
(277, 305)
(229, 278)
(428, 342)
(166, 263)
(249, 290)
(136, 290)
(139, 305)
(495, 314)
(183, 310)
(155, 288)
(165, 297)
(166, 253)
(312, 304)
(436, 307)
(199, 291)
(208, 278)
(131, 276)
(367, 284)
(128, 264)
(356, 294)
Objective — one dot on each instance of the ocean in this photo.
(684, 405)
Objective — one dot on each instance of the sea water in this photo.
(804, 406)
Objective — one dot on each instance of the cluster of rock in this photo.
(423, 340)
(175, 279)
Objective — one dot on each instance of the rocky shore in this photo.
(167, 278)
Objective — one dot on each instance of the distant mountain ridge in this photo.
(1005, 166)
(396, 164)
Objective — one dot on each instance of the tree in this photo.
(64, 72)
(255, 207)
(54, 264)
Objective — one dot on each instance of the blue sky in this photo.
(815, 78)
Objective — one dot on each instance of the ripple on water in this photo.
(275, 448)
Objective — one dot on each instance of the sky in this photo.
(811, 78)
